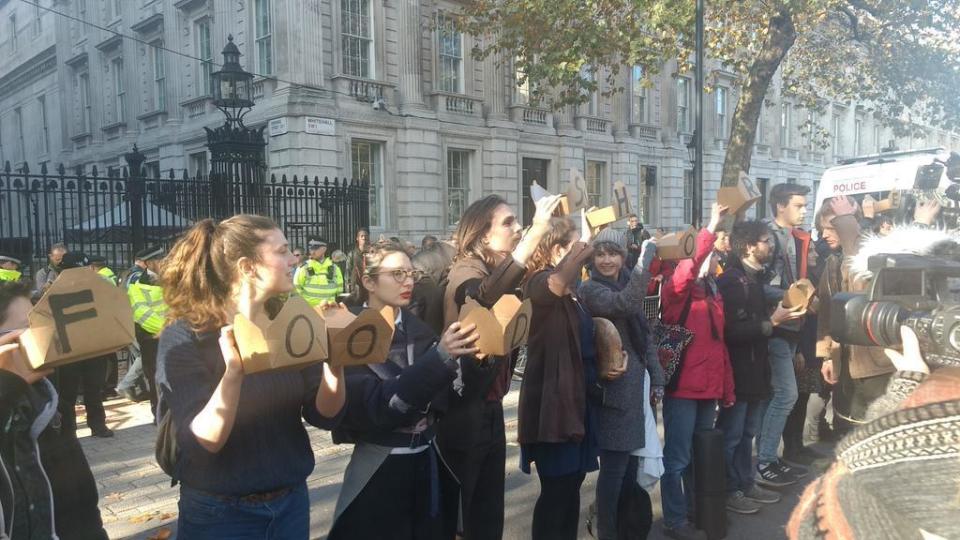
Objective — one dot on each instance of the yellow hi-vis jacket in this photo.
(107, 274)
(9, 275)
(318, 282)
(149, 311)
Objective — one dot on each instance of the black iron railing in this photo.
(109, 214)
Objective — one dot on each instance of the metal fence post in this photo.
(136, 190)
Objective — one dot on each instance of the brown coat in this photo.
(483, 381)
(864, 361)
(553, 394)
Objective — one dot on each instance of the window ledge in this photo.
(80, 137)
(114, 126)
(191, 101)
(152, 114)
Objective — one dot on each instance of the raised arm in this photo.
(549, 287)
(604, 302)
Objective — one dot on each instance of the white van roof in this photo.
(878, 173)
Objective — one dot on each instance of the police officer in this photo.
(318, 280)
(149, 313)
(9, 267)
(89, 373)
(140, 261)
(99, 265)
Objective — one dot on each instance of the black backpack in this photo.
(166, 449)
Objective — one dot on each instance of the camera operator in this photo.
(896, 476)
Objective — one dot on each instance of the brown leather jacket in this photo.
(864, 361)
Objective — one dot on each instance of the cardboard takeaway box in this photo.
(358, 339)
(576, 196)
(295, 338)
(502, 328)
(739, 197)
(80, 316)
(576, 192)
(892, 202)
(799, 295)
(677, 245)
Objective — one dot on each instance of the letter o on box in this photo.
(351, 341)
(290, 328)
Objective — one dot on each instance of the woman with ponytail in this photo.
(489, 263)
(556, 421)
(396, 472)
(244, 455)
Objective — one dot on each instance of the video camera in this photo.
(919, 292)
(926, 188)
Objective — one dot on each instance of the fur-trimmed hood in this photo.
(912, 240)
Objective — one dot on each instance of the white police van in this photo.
(878, 174)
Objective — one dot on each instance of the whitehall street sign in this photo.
(321, 126)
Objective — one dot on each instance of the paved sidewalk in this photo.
(136, 500)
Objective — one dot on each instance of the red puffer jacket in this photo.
(706, 372)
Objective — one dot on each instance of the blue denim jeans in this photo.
(783, 380)
(681, 419)
(204, 516)
(739, 425)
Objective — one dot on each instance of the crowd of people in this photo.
(427, 424)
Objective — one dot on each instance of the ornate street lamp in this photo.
(237, 165)
(232, 86)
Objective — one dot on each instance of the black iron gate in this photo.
(108, 214)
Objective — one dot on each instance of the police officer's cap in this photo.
(152, 252)
(75, 260)
(7, 257)
(316, 244)
(97, 259)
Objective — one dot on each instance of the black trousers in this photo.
(481, 471)
(112, 373)
(90, 373)
(148, 354)
(556, 516)
(396, 503)
(793, 429)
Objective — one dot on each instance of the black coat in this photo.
(746, 331)
(51, 487)
(373, 411)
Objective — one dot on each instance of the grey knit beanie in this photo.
(612, 236)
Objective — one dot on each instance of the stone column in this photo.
(410, 36)
(621, 106)
(495, 88)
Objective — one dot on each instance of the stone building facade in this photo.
(381, 90)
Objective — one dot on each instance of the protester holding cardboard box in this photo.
(748, 325)
(395, 471)
(616, 293)
(87, 374)
(490, 263)
(557, 428)
(47, 488)
(793, 256)
(244, 454)
(704, 377)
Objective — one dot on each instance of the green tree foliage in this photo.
(900, 57)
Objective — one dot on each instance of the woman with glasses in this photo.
(396, 484)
